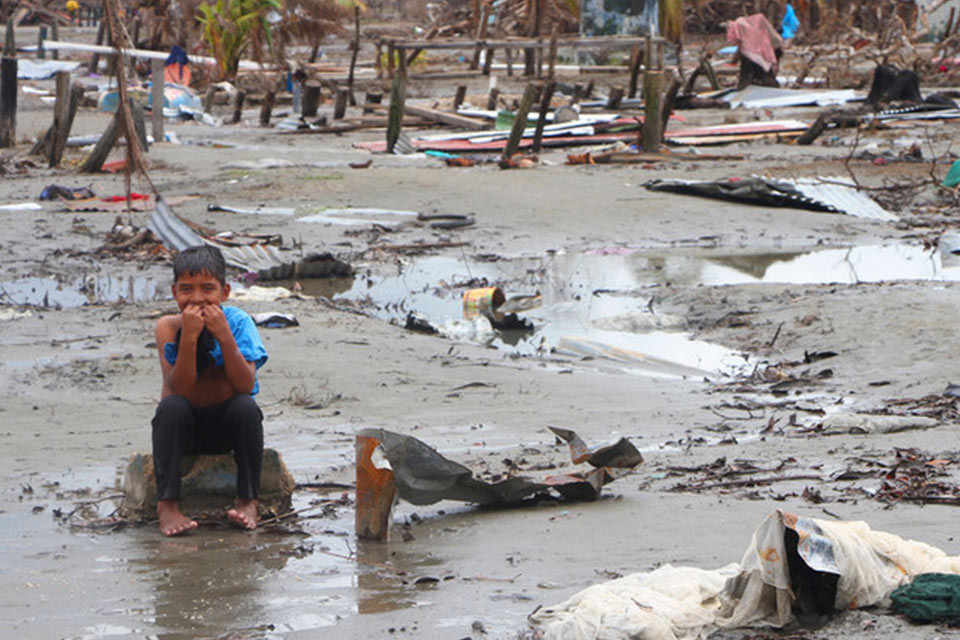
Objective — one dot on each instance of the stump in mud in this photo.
(208, 485)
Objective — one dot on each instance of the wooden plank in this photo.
(451, 119)
(622, 157)
(725, 139)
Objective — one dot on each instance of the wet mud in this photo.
(719, 338)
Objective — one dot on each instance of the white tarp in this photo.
(674, 603)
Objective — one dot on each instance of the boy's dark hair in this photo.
(193, 260)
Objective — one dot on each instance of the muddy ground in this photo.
(760, 291)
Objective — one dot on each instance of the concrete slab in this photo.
(208, 485)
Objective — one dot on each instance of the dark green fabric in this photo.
(931, 597)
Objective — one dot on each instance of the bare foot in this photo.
(245, 515)
(172, 522)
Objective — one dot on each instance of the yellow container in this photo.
(482, 302)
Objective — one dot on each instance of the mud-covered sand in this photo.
(81, 383)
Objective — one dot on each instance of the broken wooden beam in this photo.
(98, 156)
(542, 118)
(68, 100)
(459, 97)
(520, 122)
(444, 117)
(398, 94)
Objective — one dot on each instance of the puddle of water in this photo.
(594, 304)
(77, 291)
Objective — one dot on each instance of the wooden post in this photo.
(139, 124)
(377, 62)
(372, 97)
(208, 98)
(61, 111)
(134, 38)
(41, 38)
(55, 34)
(710, 72)
(520, 122)
(481, 34)
(8, 98)
(395, 114)
(615, 97)
(669, 98)
(539, 57)
(635, 60)
(652, 95)
(311, 100)
(460, 95)
(340, 106)
(533, 30)
(492, 99)
(9, 42)
(578, 89)
(402, 64)
(95, 160)
(376, 492)
(112, 60)
(95, 58)
(552, 56)
(267, 108)
(509, 53)
(156, 99)
(542, 118)
(355, 51)
(488, 61)
(391, 52)
(238, 106)
(530, 62)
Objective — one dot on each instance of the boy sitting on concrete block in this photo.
(209, 356)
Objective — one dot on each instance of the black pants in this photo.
(180, 428)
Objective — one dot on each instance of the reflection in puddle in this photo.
(380, 587)
(595, 304)
(78, 291)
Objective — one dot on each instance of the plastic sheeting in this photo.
(845, 560)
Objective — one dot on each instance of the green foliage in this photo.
(232, 27)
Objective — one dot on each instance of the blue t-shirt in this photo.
(244, 333)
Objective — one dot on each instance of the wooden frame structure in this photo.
(402, 51)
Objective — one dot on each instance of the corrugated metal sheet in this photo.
(842, 194)
(754, 97)
(174, 233)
